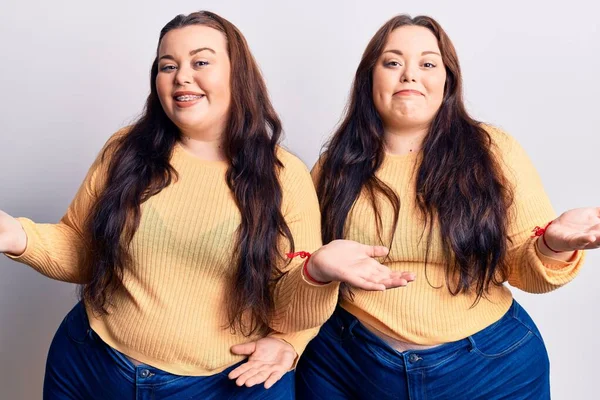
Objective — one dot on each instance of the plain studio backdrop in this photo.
(73, 72)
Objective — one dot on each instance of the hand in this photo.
(576, 229)
(354, 263)
(13, 238)
(269, 359)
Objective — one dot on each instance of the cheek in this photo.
(384, 82)
(435, 88)
(216, 84)
(382, 90)
(219, 90)
(163, 88)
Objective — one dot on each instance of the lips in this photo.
(187, 96)
(408, 92)
(187, 99)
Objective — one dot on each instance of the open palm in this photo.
(268, 360)
(356, 264)
(576, 229)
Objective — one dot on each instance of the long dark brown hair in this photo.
(458, 183)
(139, 167)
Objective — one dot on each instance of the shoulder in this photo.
(295, 181)
(292, 165)
(499, 137)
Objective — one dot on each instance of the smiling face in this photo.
(193, 81)
(409, 79)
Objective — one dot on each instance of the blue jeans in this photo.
(506, 360)
(81, 366)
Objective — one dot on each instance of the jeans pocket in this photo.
(119, 358)
(383, 355)
(77, 324)
(502, 338)
(333, 328)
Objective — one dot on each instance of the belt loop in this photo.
(351, 327)
(347, 323)
(472, 343)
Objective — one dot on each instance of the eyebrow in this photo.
(193, 52)
(423, 53)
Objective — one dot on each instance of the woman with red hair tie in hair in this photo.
(459, 204)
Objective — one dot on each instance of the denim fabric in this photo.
(506, 360)
(81, 366)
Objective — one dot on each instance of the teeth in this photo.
(188, 97)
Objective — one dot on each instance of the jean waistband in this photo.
(351, 327)
(81, 331)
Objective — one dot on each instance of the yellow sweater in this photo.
(171, 310)
(425, 312)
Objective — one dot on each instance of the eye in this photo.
(201, 63)
(167, 68)
(429, 65)
(392, 64)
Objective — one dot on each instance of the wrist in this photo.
(313, 272)
(547, 246)
(543, 239)
(546, 251)
(309, 269)
(18, 244)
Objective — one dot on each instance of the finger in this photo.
(594, 232)
(273, 378)
(241, 369)
(376, 276)
(376, 251)
(395, 283)
(371, 273)
(382, 268)
(258, 378)
(581, 241)
(241, 380)
(399, 279)
(361, 283)
(387, 274)
(244, 349)
(593, 244)
(371, 265)
(408, 276)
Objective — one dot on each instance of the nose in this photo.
(183, 76)
(410, 73)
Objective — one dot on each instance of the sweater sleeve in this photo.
(530, 270)
(300, 304)
(60, 251)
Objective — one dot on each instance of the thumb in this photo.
(244, 349)
(376, 251)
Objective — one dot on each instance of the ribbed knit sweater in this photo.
(171, 311)
(425, 312)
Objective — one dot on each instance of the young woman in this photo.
(178, 235)
(460, 204)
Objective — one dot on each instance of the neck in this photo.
(204, 144)
(400, 141)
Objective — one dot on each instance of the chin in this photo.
(189, 121)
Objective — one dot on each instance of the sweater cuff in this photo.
(554, 263)
(298, 340)
(556, 272)
(305, 304)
